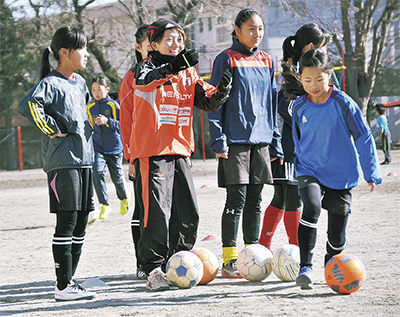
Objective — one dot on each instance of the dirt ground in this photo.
(27, 275)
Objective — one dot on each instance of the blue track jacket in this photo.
(331, 141)
(249, 116)
(107, 137)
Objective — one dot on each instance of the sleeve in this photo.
(89, 114)
(148, 77)
(218, 140)
(113, 122)
(126, 109)
(207, 97)
(276, 145)
(364, 142)
(33, 107)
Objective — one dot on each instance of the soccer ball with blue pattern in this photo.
(286, 262)
(184, 269)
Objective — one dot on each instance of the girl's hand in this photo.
(59, 134)
(101, 120)
(275, 158)
(132, 171)
(223, 155)
(371, 186)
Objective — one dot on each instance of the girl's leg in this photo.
(99, 171)
(114, 163)
(235, 201)
(336, 234)
(292, 213)
(310, 191)
(252, 214)
(272, 216)
(184, 219)
(78, 237)
(62, 247)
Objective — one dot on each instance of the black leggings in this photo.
(337, 202)
(67, 244)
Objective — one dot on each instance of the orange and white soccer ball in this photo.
(210, 264)
(345, 273)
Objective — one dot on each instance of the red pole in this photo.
(21, 160)
(344, 81)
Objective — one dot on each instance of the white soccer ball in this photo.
(286, 262)
(184, 269)
(254, 262)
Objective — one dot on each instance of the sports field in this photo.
(27, 275)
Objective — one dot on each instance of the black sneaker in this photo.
(140, 274)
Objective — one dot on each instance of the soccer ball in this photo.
(210, 264)
(254, 262)
(184, 269)
(344, 273)
(286, 262)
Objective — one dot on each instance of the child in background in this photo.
(332, 139)
(57, 107)
(162, 141)
(385, 137)
(103, 116)
(126, 93)
(286, 202)
(245, 128)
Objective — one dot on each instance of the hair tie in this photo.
(49, 48)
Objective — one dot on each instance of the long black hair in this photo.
(292, 85)
(242, 17)
(293, 45)
(66, 37)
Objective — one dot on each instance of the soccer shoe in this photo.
(125, 203)
(157, 281)
(140, 274)
(305, 278)
(93, 216)
(73, 291)
(105, 211)
(230, 270)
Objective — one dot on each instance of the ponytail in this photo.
(291, 86)
(289, 51)
(45, 67)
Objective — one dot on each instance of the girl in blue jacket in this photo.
(244, 133)
(332, 140)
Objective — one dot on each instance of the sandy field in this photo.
(27, 275)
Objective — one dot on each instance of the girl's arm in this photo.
(32, 106)
(126, 110)
(218, 142)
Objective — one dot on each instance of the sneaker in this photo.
(157, 280)
(125, 203)
(141, 274)
(93, 216)
(230, 270)
(305, 278)
(73, 291)
(105, 211)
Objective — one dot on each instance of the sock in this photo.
(291, 220)
(272, 216)
(62, 260)
(229, 254)
(77, 243)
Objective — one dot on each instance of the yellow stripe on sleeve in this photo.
(38, 118)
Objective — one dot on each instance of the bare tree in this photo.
(361, 28)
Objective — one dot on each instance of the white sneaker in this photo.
(73, 291)
(93, 216)
(157, 280)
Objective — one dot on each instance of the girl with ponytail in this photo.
(57, 107)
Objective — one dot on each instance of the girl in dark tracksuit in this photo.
(286, 202)
(57, 107)
(244, 134)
